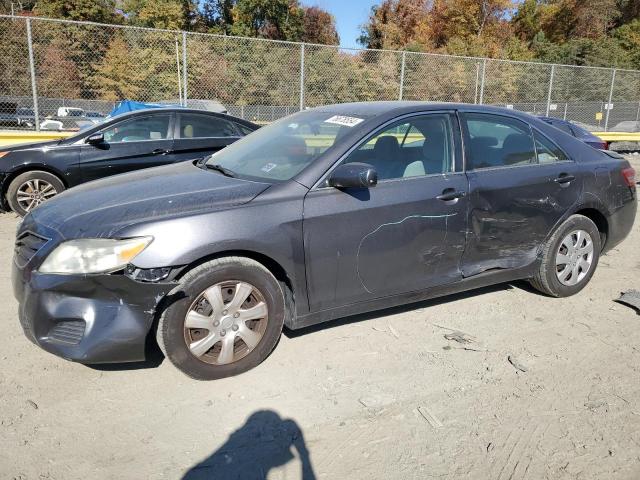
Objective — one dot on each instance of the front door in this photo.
(405, 234)
(520, 185)
(139, 142)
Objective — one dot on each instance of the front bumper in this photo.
(87, 318)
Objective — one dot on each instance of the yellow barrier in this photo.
(618, 136)
(8, 137)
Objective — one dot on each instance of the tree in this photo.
(275, 19)
(216, 16)
(103, 11)
(58, 75)
(394, 24)
(168, 14)
(319, 26)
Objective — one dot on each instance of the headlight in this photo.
(93, 255)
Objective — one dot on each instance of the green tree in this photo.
(103, 11)
(275, 19)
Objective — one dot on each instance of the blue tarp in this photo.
(129, 106)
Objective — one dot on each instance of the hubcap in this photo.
(574, 257)
(226, 322)
(33, 192)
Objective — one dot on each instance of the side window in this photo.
(193, 125)
(154, 127)
(497, 141)
(418, 146)
(564, 127)
(243, 129)
(547, 151)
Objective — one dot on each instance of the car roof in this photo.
(399, 107)
(146, 111)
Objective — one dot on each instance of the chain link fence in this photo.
(58, 74)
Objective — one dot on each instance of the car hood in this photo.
(103, 207)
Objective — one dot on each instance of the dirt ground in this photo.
(377, 396)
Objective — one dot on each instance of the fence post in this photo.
(553, 69)
(638, 114)
(178, 72)
(475, 94)
(302, 76)
(404, 57)
(32, 68)
(484, 70)
(606, 118)
(184, 66)
(566, 105)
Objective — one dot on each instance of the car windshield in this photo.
(281, 150)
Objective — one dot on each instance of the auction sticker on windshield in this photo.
(344, 120)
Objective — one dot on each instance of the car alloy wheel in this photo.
(33, 192)
(226, 322)
(574, 257)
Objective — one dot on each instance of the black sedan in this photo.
(33, 173)
(577, 131)
(326, 213)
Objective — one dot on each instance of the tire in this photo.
(40, 185)
(551, 277)
(222, 277)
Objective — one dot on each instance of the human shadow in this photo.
(264, 442)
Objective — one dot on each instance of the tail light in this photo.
(604, 146)
(629, 175)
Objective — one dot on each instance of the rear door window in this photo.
(547, 151)
(497, 141)
(192, 125)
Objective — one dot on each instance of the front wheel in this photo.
(569, 258)
(30, 189)
(228, 321)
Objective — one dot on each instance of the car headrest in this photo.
(484, 142)
(517, 148)
(386, 147)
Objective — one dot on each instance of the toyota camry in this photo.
(326, 213)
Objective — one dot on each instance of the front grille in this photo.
(27, 245)
(68, 331)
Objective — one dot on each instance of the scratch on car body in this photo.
(389, 224)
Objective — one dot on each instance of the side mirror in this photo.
(94, 139)
(353, 175)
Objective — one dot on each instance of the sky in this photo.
(349, 15)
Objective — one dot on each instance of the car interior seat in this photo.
(517, 148)
(386, 158)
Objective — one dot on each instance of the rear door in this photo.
(520, 186)
(405, 234)
(132, 144)
(198, 135)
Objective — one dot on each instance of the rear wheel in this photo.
(30, 189)
(569, 258)
(228, 322)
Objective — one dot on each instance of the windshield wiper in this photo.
(219, 168)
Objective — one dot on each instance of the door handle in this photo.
(160, 151)
(449, 194)
(564, 178)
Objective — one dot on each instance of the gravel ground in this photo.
(544, 388)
